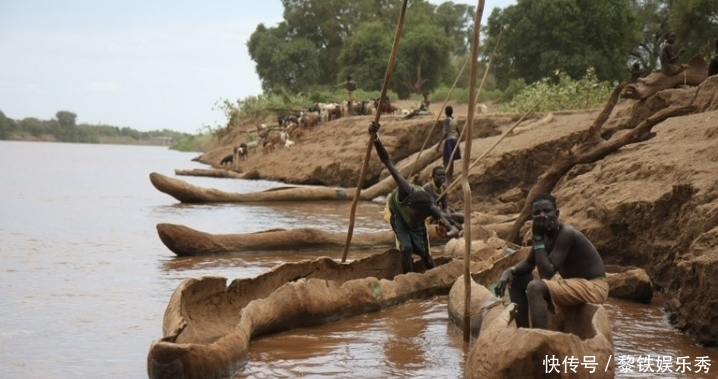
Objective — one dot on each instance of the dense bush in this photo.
(562, 94)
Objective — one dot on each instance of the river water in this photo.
(85, 279)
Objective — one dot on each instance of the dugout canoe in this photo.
(208, 325)
(218, 173)
(188, 193)
(185, 241)
(502, 350)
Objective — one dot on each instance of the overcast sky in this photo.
(143, 64)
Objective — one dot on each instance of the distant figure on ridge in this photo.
(668, 57)
(425, 102)
(351, 86)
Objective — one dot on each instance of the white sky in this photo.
(143, 64)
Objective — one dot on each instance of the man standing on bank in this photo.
(557, 248)
(450, 139)
(409, 206)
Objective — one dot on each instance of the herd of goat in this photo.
(291, 127)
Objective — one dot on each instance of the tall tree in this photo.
(280, 63)
(423, 57)
(7, 126)
(696, 25)
(66, 118)
(541, 37)
(653, 16)
(457, 22)
(365, 55)
(316, 32)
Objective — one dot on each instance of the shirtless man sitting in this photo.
(557, 248)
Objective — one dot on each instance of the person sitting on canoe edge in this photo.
(557, 248)
(409, 206)
(437, 186)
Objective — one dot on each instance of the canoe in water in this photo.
(185, 241)
(208, 325)
(580, 334)
(188, 193)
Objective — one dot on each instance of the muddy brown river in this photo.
(85, 279)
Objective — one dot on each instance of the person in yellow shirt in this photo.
(409, 206)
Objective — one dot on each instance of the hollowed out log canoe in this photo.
(691, 74)
(188, 193)
(208, 325)
(185, 241)
(501, 350)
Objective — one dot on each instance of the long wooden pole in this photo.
(465, 172)
(382, 99)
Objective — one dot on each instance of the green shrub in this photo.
(514, 88)
(192, 143)
(565, 94)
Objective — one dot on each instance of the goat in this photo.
(241, 152)
(369, 107)
(274, 138)
(309, 120)
(228, 159)
(293, 131)
(355, 109)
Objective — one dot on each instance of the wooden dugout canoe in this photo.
(185, 241)
(504, 351)
(188, 193)
(692, 74)
(208, 325)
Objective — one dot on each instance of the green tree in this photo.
(696, 25)
(541, 37)
(457, 21)
(308, 48)
(423, 56)
(32, 126)
(7, 126)
(365, 55)
(66, 118)
(280, 63)
(653, 16)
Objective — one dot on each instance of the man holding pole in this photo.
(409, 206)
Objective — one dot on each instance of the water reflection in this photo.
(408, 340)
